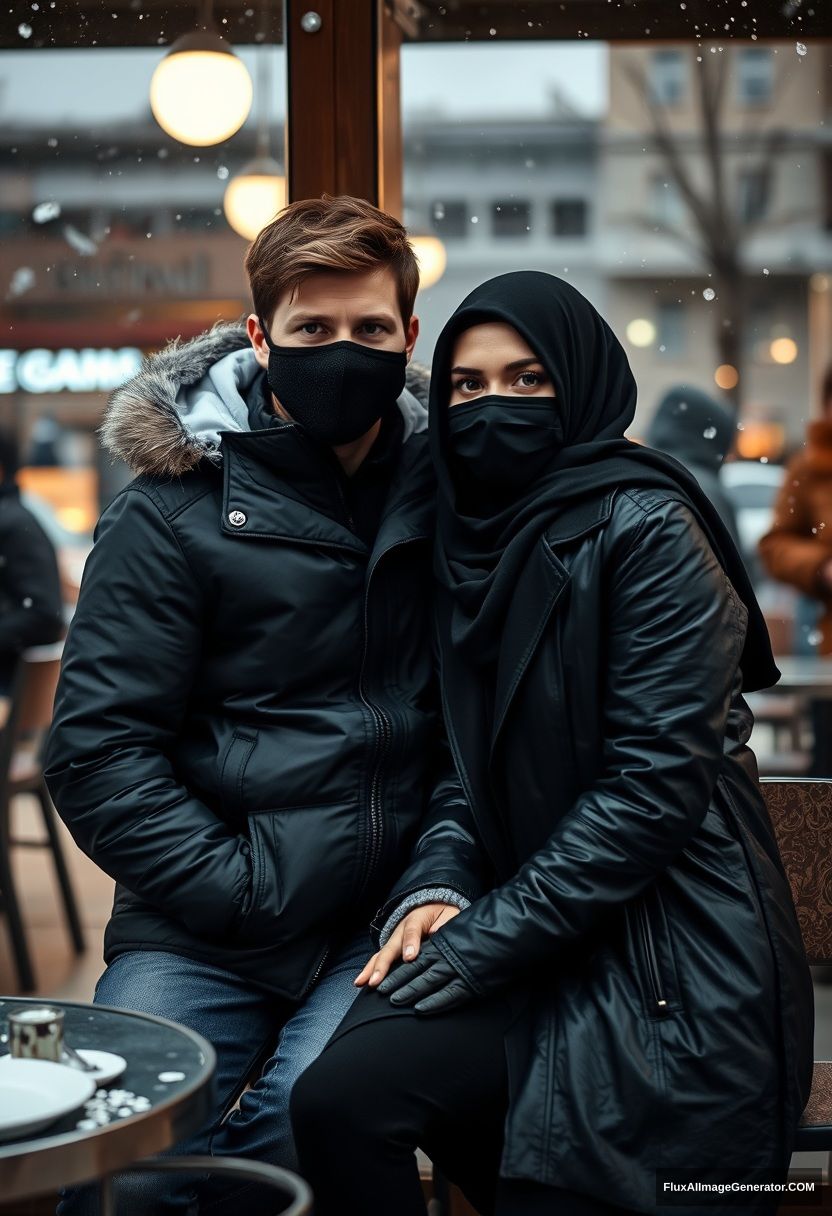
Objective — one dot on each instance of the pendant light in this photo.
(432, 258)
(201, 92)
(254, 196)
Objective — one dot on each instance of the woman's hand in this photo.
(405, 941)
(430, 984)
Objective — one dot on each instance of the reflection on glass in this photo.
(686, 188)
(114, 240)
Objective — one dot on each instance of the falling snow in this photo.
(44, 212)
(82, 244)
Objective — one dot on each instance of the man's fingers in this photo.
(414, 928)
(448, 914)
(363, 976)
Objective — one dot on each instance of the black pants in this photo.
(391, 1080)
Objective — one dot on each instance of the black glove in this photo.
(430, 983)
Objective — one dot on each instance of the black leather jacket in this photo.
(641, 903)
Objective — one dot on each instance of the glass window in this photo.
(569, 217)
(755, 76)
(511, 219)
(754, 186)
(450, 218)
(124, 233)
(663, 254)
(666, 204)
(670, 329)
(667, 77)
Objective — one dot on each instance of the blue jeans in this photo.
(244, 1026)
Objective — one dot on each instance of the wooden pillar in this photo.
(343, 130)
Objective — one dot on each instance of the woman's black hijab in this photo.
(483, 541)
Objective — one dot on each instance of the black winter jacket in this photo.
(245, 734)
(31, 609)
(641, 902)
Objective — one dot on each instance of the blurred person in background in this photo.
(798, 547)
(30, 587)
(699, 432)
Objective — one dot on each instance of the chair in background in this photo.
(801, 814)
(21, 772)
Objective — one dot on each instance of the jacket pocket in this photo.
(654, 951)
(232, 773)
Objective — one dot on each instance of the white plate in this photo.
(34, 1093)
(107, 1065)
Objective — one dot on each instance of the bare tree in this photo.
(718, 231)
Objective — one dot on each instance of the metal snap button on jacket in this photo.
(237, 518)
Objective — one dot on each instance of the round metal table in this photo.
(169, 1065)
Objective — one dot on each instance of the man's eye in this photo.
(311, 328)
(372, 329)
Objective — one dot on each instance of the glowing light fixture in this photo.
(726, 376)
(201, 92)
(432, 257)
(641, 332)
(254, 196)
(783, 350)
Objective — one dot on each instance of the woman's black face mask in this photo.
(505, 442)
(336, 391)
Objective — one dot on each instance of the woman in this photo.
(639, 955)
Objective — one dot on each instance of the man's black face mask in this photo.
(337, 391)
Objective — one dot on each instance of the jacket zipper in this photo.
(317, 973)
(383, 732)
(651, 958)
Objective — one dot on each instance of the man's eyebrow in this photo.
(378, 318)
(306, 318)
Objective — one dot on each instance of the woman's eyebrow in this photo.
(512, 367)
(466, 371)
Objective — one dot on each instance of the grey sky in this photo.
(461, 80)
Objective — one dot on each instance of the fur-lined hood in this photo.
(172, 413)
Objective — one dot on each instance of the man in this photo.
(30, 586)
(246, 734)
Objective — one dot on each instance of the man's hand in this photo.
(406, 941)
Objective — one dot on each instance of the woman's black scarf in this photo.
(483, 543)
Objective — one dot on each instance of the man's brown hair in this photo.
(329, 234)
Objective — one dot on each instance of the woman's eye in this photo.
(467, 385)
(531, 379)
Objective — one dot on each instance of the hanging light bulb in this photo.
(432, 258)
(254, 196)
(201, 92)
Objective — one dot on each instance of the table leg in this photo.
(106, 1197)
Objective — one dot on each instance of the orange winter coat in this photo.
(800, 540)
